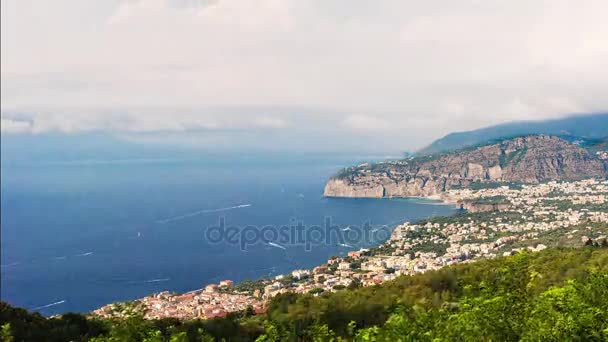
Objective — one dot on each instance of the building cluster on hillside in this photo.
(209, 302)
(535, 216)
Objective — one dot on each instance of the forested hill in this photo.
(580, 126)
(553, 295)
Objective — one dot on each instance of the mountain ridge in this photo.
(589, 126)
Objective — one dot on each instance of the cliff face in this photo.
(530, 159)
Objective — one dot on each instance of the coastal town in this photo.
(497, 220)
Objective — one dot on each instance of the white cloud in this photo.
(138, 121)
(14, 126)
(269, 122)
(420, 68)
(366, 124)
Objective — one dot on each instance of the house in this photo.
(320, 269)
(211, 288)
(226, 283)
(343, 266)
(300, 274)
(354, 254)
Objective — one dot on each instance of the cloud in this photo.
(139, 121)
(270, 122)
(14, 126)
(416, 69)
(366, 124)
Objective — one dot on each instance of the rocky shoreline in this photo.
(530, 159)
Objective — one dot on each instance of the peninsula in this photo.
(527, 159)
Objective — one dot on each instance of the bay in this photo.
(80, 234)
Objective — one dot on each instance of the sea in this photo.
(79, 234)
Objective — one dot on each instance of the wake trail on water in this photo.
(159, 280)
(277, 245)
(199, 212)
(48, 305)
(56, 258)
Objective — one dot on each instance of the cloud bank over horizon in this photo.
(395, 73)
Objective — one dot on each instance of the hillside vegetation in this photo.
(554, 295)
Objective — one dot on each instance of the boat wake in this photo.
(345, 245)
(272, 269)
(48, 305)
(56, 258)
(199, 212)
(277, 245)
(159, 280)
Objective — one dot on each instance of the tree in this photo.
(6, 334)
(354, 284)
(316, 290)
(576, 309)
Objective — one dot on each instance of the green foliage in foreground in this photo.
(554, 295)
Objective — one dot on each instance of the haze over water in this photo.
(78, 235)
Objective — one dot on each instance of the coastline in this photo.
(440, 201)
(417, 248)
(158, 246)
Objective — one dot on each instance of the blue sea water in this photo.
(78, 235)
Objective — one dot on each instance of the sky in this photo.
(293, 74)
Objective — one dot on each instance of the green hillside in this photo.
(554, 295)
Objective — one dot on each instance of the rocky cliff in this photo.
(528, 159)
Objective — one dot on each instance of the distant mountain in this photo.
(580, 126)
(526, 159)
